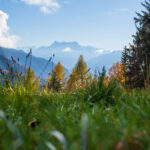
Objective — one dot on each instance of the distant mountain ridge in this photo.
(6, 64)
(65, 52)
(107, 60)
(68, 53)
(37, 64)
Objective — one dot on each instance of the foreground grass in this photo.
(43, 121)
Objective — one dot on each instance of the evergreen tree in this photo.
(56, 80)
(137, 57)
(80, 76)
(124, 59)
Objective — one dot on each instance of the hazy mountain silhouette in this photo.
(68, 53)
(37, 63)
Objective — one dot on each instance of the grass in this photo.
(44, 121)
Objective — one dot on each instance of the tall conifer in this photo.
(136, 58)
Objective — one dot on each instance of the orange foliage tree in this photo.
(116, 72)
(56, 80)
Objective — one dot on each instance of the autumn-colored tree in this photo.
(116, 72)
(30, 82)
(80, 76)
(56, 79)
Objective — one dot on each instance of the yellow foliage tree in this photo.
(79, 77)
(116, 72)
(56, 80)
(30, 81)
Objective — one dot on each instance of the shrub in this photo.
(98, 92)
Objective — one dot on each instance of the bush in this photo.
(98, 92)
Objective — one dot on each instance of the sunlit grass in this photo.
(65, 121)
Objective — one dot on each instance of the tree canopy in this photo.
(80, 75)
(136, 58)
(56, 79)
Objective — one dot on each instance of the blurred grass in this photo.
(46, 120)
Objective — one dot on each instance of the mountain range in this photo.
(65, 52)
(68, 53)
(37, 64)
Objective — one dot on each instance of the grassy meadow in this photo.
(71, 121)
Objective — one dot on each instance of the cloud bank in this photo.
(99, 51)
(46, 6)
(67, 49)
(6, 40)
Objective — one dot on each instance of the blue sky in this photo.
(104, 24)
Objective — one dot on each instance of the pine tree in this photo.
(125, 61)
(124, 58)
(137, 69)
(56, 80)
(80, 75)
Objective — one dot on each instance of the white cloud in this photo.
(99, 51)
(67, 49)
(6, 40)
(46, 6)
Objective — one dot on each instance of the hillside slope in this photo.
(37, 64)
